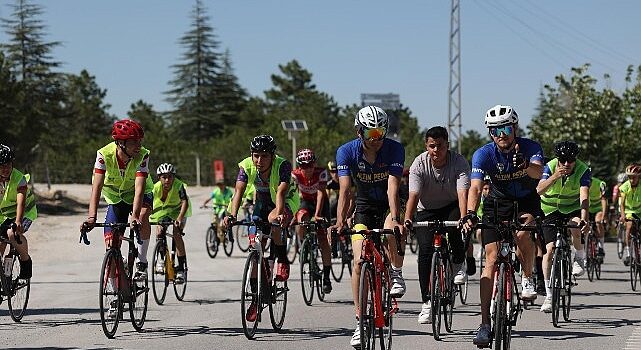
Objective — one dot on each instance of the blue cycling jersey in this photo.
(370, 179)
(508, 182)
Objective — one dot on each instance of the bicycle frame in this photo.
(169, 263)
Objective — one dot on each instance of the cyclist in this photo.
(312, 182)
(375, 164)
(630, 202)
(221, 197)
(18, 206)
(439, 180)
(598, 210)
(276, 199)
(515, 165)
(121, 174)
(171, 201)
(564, 190)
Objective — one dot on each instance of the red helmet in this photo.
(305, 156)
(127, 129)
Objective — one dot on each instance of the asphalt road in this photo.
(63, 308)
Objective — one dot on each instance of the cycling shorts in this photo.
(505, 208)
(549, 233)
(119, 212)
(372, 216)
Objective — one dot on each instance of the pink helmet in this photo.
(305, 156)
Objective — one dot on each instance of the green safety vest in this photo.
(479, 211)
(222, 198)
(171, 206)
(117, 188)
(596, 188)
(632, 199)
(9, 204)
(292, 200)
(564, 197)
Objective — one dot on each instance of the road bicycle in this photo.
(212, 237)
(12, 288)
(442, 289)
(342, 255)
(117, 284)
(376, 305)
(259, 290)
(240, 231)
(561, 278)
(592, 259)
(164, 266)
(311, 271)
(634, 248)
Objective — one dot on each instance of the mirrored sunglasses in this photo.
(374, 134)
(506, 130)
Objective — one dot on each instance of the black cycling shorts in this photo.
(549, 233)
(505, 209)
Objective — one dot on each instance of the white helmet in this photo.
(165, 168)
(371, 117)
(622, 177)
(500, 115)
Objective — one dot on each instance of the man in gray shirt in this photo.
(438, 184)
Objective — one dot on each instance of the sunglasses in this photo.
(306, 165)
(566, 160)
(373, 134)
(506, 130)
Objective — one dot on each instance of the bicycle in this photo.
(376, 305)
(634, 248)
(264, 291)
(342, 255)
(561, 278)
(163, 267)
(124, 288)
(592, 259)
(240, 232)
(311, 274)
(13, 288)
(213, 240)
(620, 227)
(442, 289)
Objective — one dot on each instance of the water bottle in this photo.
(8, 265)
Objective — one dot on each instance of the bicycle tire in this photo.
(107, 295)
(242, 237)
(318, 274)
(366, 307)
(449, 295)
(139, 303)
(19, 291)
(414, 245)
(633, 266)
(249, 296)
(181, 288)
(159, 279)
(338, 265)
(620, 241)
(435, 296)
(463, 290)
(500, 312)
(211, 242)
(556, 283)
(228, 246)
(597, 270)
(590, 261)
(567, 296)
(306, 273)
(385, 333)
(278, 304)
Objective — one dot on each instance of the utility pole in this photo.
(454, 91)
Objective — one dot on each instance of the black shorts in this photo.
(310, 207)
(372, 216)
(505, 209)
(549, 233)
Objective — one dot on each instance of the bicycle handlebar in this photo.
(85, 229)
(369, 232)
(322, 224)
(435, 223)
(13, 227)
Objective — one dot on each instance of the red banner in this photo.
(219, 170)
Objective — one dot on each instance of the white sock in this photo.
(142, 251)
(580, 254)
(397, 269)
(548, 288)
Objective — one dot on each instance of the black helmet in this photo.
(566, 150)
(6, 154)
(263, 143)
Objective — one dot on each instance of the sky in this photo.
(509, 48)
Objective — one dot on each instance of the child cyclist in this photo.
(171, 202)
(121, 173)
(221, 197)
(17, 206)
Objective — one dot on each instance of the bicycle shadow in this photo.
(608, 323)
(212, 301)
(556, 334)
(262, 334)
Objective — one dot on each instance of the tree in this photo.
(470, 142)
(231, 98)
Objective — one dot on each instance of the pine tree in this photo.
(231, 98)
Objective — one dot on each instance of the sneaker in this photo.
(425, 317)
(460, 278)
(528, 292)
(398, 283)
(483, 336)
(141, 272)
(547, 305)
(626, 260)
(471, 266)
(180, 277)
(113, 309)
(540, 287)
(578, 268)
(252, 312)
(282, 273)
(327, 286)
(356, 337)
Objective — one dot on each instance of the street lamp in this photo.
(293, 127)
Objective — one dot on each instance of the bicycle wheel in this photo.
(242, 237)
(306, 273)
(181, 288)
(338, 265)
(597, 270)
(567, 291)
(385, 333)
(633, 266)
(462, 291)
(620, 241)
(435, 294)
(211, 242)
(366, 307)
(557, 284)
(278, 306)
(318, 274)
(414, 244)
(590, 261)
(19, 291)
(228, 245)
(109, 293)
(449, 295)
(500, 312)
(159, 280)
(249, 296)
(138, 304)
